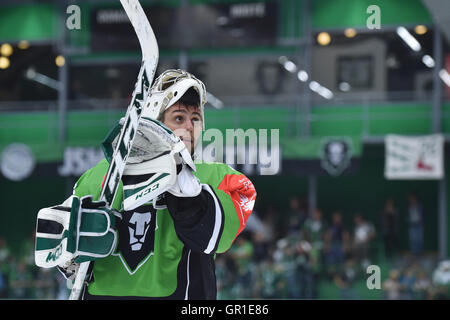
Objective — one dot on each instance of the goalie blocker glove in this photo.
(76, 231)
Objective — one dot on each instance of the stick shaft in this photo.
(150, 56)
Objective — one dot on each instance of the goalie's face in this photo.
(186, 122)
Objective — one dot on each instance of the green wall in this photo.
(87, 128)
(330, 14)
(21, 202)
(38, 22)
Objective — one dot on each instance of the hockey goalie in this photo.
(171, 214)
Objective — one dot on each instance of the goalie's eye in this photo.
(196, 120)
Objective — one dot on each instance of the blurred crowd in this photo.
(269, 261)
(21, 279)
(288, 256)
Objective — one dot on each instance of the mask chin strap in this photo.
(180, 150)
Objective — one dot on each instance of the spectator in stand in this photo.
(286, 257)
(313, 231)
(441, 281)
(262, 235)
(298, 262)
(390, 227)
(298, 213)
(62, 292)
(422, 285)
(272, 282)
(224, 278)
(306, 270)
(26, 251)
(344, 280)
(4, 250)
(407, 281)
(4, 268)
(21, 282)
(45, 285)
(363, 235)
(275, 221)
(336, 243)
(391, 286)
(416, 223)
(242, 254)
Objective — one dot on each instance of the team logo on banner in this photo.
(17, 162)
(336, 155)
(419, 157)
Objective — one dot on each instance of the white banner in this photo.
(418, 157)
(79, 159)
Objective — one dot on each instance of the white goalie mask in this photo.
(168, 88)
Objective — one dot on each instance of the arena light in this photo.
(323, 38)
(60, 61)
(23, 45)
(32, 75)
(291, 67)
(321, 90)
(350, 32)
(6, 49)
(4, 63)
(344, 86)
(428, 61)
(314, 86)
(420, 29)
(325, 92)
(445, 77)
(282, 59)
(409, 39)
(302, 75)
(287, 64)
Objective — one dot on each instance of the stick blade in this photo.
(145, 34)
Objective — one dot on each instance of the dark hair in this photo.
(190, 98)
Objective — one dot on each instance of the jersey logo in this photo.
(243, 193)
(138, 227)
(136, 237)
(246, 204)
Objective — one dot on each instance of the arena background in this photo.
(316, 70)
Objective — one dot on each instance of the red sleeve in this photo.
(243, 193)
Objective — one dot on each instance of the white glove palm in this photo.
(187, 185)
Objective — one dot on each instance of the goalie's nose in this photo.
(189, 126)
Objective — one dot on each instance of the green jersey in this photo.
(168, 252)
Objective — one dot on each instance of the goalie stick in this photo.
(150, 56)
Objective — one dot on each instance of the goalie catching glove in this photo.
(78, 230)
(153, 161)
